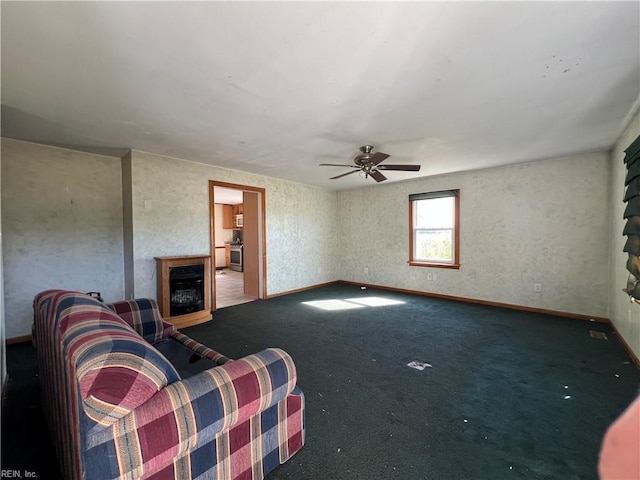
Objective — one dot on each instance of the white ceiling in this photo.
(277, 88)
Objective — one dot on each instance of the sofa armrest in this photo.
(199, 348)
(189, 413)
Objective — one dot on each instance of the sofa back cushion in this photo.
(116, 370)
(119, 371)
(143, 315)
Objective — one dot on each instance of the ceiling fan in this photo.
(369, 164)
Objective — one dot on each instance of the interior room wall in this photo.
(127, 225)
(62, 226)
(58, 233)
(622, 313)
(3, 353)
(539, 222)
(171, 217)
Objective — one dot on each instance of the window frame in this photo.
(455, 193)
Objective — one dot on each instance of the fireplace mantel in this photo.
(164, 266)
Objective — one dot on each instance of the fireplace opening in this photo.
(186, 289)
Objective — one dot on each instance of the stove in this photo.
(236, 254)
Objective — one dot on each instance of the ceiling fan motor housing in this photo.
(365, 156)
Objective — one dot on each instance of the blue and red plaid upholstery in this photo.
(144, 316)
(199, 348)
(117, 408)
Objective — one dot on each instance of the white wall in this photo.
(622, 313)
(540, 222)
(62, 226)
(171, 217)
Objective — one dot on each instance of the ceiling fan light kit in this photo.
(368, 164)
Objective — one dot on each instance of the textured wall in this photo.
(545, 222)
(624, 315)
(541, 222)
(62, 226)
(127, 225)
(171, 217)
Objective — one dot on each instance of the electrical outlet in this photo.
(429, 276)
(537, 287)
(365, 270)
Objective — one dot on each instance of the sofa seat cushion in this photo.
(199, 348)
(185, 360)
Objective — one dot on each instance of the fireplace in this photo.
(184, 289)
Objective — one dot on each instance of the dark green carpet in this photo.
(493, 406)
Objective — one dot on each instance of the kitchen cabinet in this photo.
(227, 255)
(221, 261)
(228, 220)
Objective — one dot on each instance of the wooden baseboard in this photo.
(545, 311)
(579, 316)
(22, 339)
(304, 289)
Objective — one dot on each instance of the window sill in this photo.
(453, 266)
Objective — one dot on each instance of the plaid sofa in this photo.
(127, 396)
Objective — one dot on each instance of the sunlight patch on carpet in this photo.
(350, 303)
(374, 301)
(332, 304)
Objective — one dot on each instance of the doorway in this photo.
(238, 247)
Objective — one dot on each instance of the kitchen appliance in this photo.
(235, 257)
(239, 221)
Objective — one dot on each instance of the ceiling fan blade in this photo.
(378, 176)
(344, 174)
(378, 157)
(337, 165)
(406, 168)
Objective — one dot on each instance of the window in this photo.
(434, 219)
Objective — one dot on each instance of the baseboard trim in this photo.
(22, 339)
(487, 302)
(557, 313)
(304, 289)
(624, 343)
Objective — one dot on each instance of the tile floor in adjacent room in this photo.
(230, 288)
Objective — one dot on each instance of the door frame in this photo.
(262, 255)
